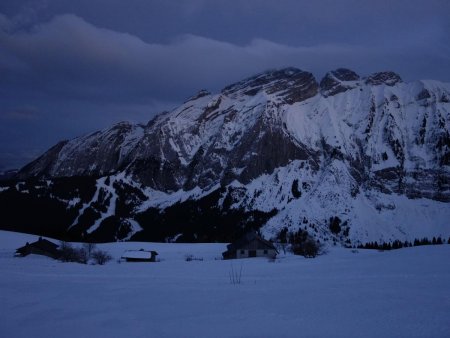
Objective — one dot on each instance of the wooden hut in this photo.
(139, 256)
(250, 245)
(40, 247)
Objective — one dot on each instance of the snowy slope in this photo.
(98, 153)
(373, 151)
(401, 293)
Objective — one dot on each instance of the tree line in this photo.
(399, 244)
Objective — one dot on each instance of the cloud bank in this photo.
(73, 59)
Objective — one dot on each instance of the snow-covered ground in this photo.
(402, 293)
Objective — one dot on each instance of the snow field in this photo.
(402, 293)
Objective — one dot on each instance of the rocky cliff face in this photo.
(278, 147)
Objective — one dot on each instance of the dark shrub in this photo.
(282, 235)
(304, 245)
(335, 225)
(309, 248)
(70, 254)
(101, 257)
(295, 190)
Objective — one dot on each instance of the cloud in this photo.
(71, 58)
(5, 23)
(20, 113)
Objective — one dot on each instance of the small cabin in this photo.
(139, 256)
(40, 247)
(250, 245)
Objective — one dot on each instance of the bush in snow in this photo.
(190, 258)
(309, 248)
(101, 257)
(68, 253)
(304, 245)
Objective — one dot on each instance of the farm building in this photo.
(139, 256)
(40, 247)
(250, 245)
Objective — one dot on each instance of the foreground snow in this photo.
(403, 293)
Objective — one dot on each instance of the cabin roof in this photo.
(248, 238)
(139, 254)
(41, 244)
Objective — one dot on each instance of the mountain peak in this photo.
(388, 78)
(200, 93)
(287, 84)
(334, 82)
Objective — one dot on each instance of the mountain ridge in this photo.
(372, 139)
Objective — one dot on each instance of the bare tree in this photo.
(68, 253)
(89, 248)
(101, 257)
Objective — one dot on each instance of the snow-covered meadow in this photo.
(401, 293)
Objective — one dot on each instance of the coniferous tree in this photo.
(295, 190)
(335, 225)
(282, 235)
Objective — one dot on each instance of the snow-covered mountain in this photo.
(275, 150)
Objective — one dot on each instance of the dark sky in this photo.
(71, 67)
